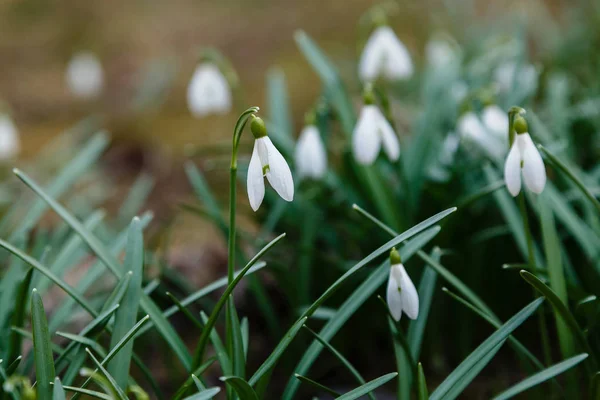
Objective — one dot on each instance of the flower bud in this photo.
(395, 257)
(520, 125)
(257, 127)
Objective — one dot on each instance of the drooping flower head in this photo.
(487, 130)
(402, 295)
(441, 50)
(267, 161)
(208, 91)
(84, 75)
(524, 157)
(371, 132)
(384, 56)
(311, 157)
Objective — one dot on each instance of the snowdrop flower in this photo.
(488, 131)
(208, 91)
(267, 161)
(511, 74)
(524, 156)
(401, 293)
(84, 75)
(9, 138)
(439, 53)
(371, 131)
(311, 157)
(384, 55)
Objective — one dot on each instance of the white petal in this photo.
(439, 53)
(534, 172)
(408, 292)
(391, 145)
(366, 141)
(496, 121)
(393, 298)
(278, 173)
(84, 75)
(208, 91)
(512, 170)
(311, 157)
(372, 58)
(9, 138)
(397, 61)
(473, 130)
(255, 181)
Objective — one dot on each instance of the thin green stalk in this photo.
(531, 261)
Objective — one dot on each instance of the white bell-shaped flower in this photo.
(510, 74)
(267, 161)
(208, 91)
(384, 55)
(311, 157)
(9, 138)
(488, 131)
(439, 53)
(524, 156)
(401, 295)
(84, 75)
(371, 132)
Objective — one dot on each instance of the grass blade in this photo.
(560, 310)
(317, 385)
(460, 376)
(117, 391)
(161, 323)
(241, 387)
(126, 315)
(541, 377)
(341, 358)
(58, 391)
(205, 394)
(199, 353)
(87, 392)
(18, 317)
(352, 303)
(422, 392)
(42, 349)
(368, 387)
(556, 162)
(552, 247)
(278, 351)
(519, 347)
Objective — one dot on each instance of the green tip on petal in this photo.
(395, 257)
(257, 127)
(520, 125)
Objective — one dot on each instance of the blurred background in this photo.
(148, 51)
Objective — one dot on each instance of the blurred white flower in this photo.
(490, 132)
(496, 121)
(9, 138)
(311, 157)
(208, 91)
(510, 74)
(371, 131)
(384, 55)
(439, 171)
(267, 161)
(524, 156)
(439, 53)
(84, 75)
(402, 295)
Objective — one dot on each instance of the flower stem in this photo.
(531, 261)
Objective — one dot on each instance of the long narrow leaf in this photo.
(541, 377)
(126, 315)
(42, 350)
(368, 387)
(460, 375)
(241, 387)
